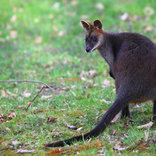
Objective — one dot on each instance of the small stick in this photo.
(30, 102)
(31, 81)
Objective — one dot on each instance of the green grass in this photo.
(59, 59)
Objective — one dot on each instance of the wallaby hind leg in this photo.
(154, 111)
(125, 112)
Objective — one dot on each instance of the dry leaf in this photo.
(61, 33)
(36, 20)
(72, 127)
(12, 114)
(15, 142)
(73, 79)
(74, 2)
(38, 39)
(148, 11)
(143, 148)
(107, 83)
(8, 129)
(148, 125)
(124, 16)
(56, 5)
(3, 93)
(46, 96)
(148, 28)
(92, 73)
(119, 146)
(51, 119)
(13, 18)
(100, 6)
(116, 118)
(26, 94)
(13, 34)
(79, 129)
(2, 120)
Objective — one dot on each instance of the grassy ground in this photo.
(43, 40)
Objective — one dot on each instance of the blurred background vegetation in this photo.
(43, 40)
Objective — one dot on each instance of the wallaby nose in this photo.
(88, 49)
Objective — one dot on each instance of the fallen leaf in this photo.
(13, 34)
(36, 20)
(38, 39)
(3, 93)
(73, 79)
(148, 125)
(74, 2)
(116, 118)
(51, 119)
(12, 114)
(2, 120)
(72, 127)
(26, 94)
(13, 18)
(56, 5)
(143, 148)
(61, 33)
(124, 16)
(79, 129)
(148, 28)
(99, 6)
(148, 11)
(8, 129)
(106, 83)
(120, 146)
(15, 142)
(92, 73)
(46, 96)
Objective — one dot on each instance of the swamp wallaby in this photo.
(132, 61)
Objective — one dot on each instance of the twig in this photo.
(31, 81)
(30, 102)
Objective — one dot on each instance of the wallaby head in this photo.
(94, 35)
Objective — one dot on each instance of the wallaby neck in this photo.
(106, 50)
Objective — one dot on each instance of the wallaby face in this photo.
(94, 36)
(132, 61)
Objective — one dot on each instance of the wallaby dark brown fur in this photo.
(132, 61)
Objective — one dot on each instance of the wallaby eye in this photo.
(86, 38)
(95, 39)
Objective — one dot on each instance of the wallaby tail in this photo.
(114, 109)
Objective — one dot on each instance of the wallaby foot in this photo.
(154, 111)
(126, 113)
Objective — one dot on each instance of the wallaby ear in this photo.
(85, 25)
(98, 24)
